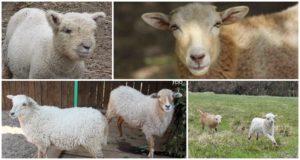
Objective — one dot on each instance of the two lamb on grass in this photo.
(212, 44)
(47, 126)
(259, 126)
(48, 44)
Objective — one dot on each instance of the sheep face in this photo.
(21, 105)
(166, 99)
(74, 33)
(218, 118)
(270, 118)
(196, 28)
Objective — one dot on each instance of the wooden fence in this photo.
(61, 93)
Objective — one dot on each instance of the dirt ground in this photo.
(99, 64)
(14, 144)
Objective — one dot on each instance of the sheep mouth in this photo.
(83, 54)
(13, 117)
(198, 67)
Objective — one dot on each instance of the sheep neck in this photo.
(164, 118)
(64, 65)
(267, 125)
(27, 119)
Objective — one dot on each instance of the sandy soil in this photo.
(129, 146)
(99, 65)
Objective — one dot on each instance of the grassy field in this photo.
(237, 111)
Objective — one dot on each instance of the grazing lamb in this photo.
(48, 44)
(152, 114)
(263, 127)
(210, 120)
(211, 44)
(65, 129)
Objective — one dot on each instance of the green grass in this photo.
(237, 111)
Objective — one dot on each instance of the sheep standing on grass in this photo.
(152, 114)
(65, 129)
(48, 44)
(212, 44)
(210, 120)
(260, 126)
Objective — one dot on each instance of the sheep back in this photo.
(66, 128)
(28, 35)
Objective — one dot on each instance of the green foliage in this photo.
(176, 146)
(237, 111)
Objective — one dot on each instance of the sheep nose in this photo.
(197, 57)
(168, 106)
(86, 47)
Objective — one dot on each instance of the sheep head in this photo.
(74, 33)
(218, 118)
(166, 99)
(270, 118)
(22, 105)
(196, 28)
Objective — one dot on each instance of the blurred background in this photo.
(144, 52)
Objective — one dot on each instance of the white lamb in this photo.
(263, 126)
(152, 114)
(50, 44)
(65, 129)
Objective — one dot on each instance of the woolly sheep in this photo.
(65, 129)
(211, 44)
(152, 114)
(210, 120)
(48, 44)
(263, 127)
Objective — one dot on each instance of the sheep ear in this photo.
(177, 95)
(154, 95)
(54, 18)
(98, 16)
(234, 14)
(10, 96)
(157, 20)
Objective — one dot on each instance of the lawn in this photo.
(237, 111)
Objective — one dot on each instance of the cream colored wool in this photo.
(48, 44)
(66, 129)
(149, 113)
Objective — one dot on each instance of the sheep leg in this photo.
(120, 122)
(257, 136)
(249, 135)
(216, 129)
(150, 140)
(94, 148)
(271, 137)
(42, 152)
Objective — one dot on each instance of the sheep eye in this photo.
(174, 27)
(68, 31)
(218, 25)
(24, 104)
